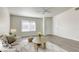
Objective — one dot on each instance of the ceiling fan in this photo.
(45, 10)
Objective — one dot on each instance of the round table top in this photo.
(39, 40)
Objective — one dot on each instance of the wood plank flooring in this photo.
(67, 44)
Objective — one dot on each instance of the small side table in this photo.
(39, 43)
(37, 46)
(30, 39)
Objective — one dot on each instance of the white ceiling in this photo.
(37, 11)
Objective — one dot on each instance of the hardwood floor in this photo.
(54, 44)
(67, 44)
(24, 46)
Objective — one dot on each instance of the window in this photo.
(28, 26)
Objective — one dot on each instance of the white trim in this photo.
(44, 25)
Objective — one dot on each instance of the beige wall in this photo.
(48, 25)
(4, 20)
(67, 24)
(16, 24)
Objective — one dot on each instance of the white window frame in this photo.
(31, 26)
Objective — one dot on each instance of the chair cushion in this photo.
(11, 39)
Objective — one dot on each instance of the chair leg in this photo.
(44, 45)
